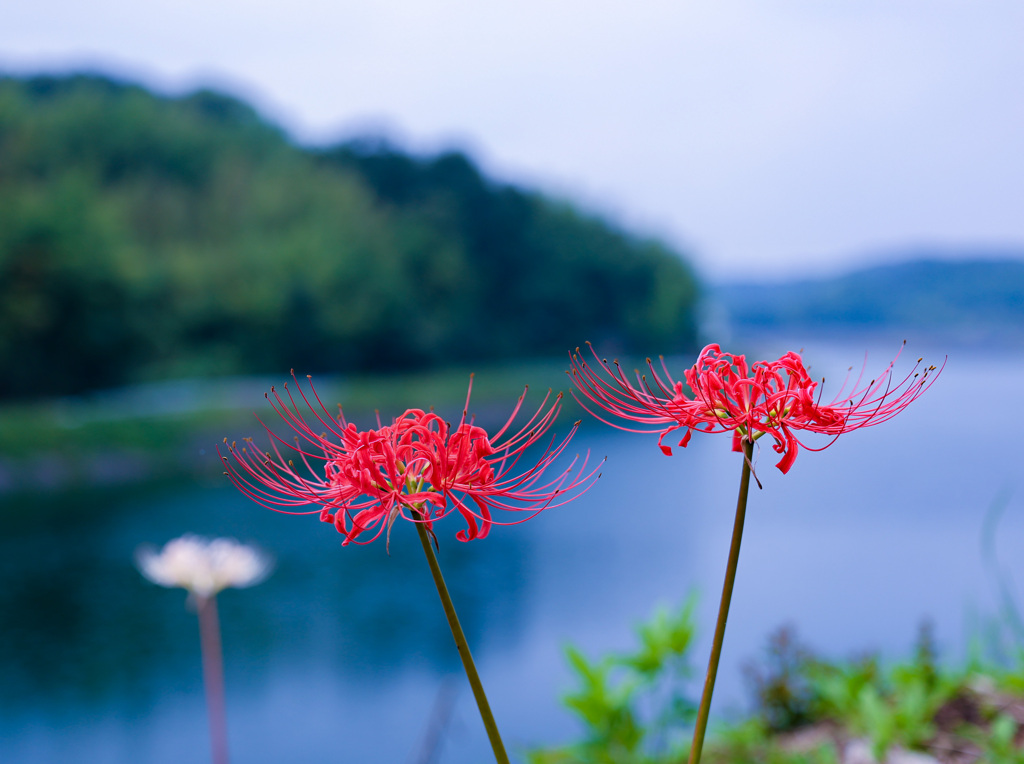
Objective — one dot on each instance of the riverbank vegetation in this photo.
(636, 707)
(165, 429)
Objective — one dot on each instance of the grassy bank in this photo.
(638, 707)
(171, 428)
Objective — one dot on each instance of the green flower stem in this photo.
(723, 608)
(460, 641)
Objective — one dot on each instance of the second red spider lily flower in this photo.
(728, 395)
(419, 468)
(776, 398)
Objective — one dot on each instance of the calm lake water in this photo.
(343, 653)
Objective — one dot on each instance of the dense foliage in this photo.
(145, 237)
(638, 707)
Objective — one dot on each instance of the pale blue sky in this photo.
(769, 137)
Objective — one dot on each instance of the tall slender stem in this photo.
(723, 608)
(213, 676)
(460, 642)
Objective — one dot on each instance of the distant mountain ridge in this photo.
(978, 299)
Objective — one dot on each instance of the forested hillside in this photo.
(977, 299)
(144, 237)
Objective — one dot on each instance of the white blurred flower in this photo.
(204, 566)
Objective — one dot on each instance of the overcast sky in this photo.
(765, 137)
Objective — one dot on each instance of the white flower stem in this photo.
(213, 676)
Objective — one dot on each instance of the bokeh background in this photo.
(196, 198)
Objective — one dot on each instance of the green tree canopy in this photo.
(143, 236)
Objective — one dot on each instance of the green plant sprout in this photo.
(635, 706)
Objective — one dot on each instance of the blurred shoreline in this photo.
(168, 429)
(171, 429)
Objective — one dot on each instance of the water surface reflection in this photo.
(340, 655)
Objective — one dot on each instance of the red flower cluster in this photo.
(418, 467)
(728, 395)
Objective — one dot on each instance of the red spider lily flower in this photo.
(773, 398)
(418, 468)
